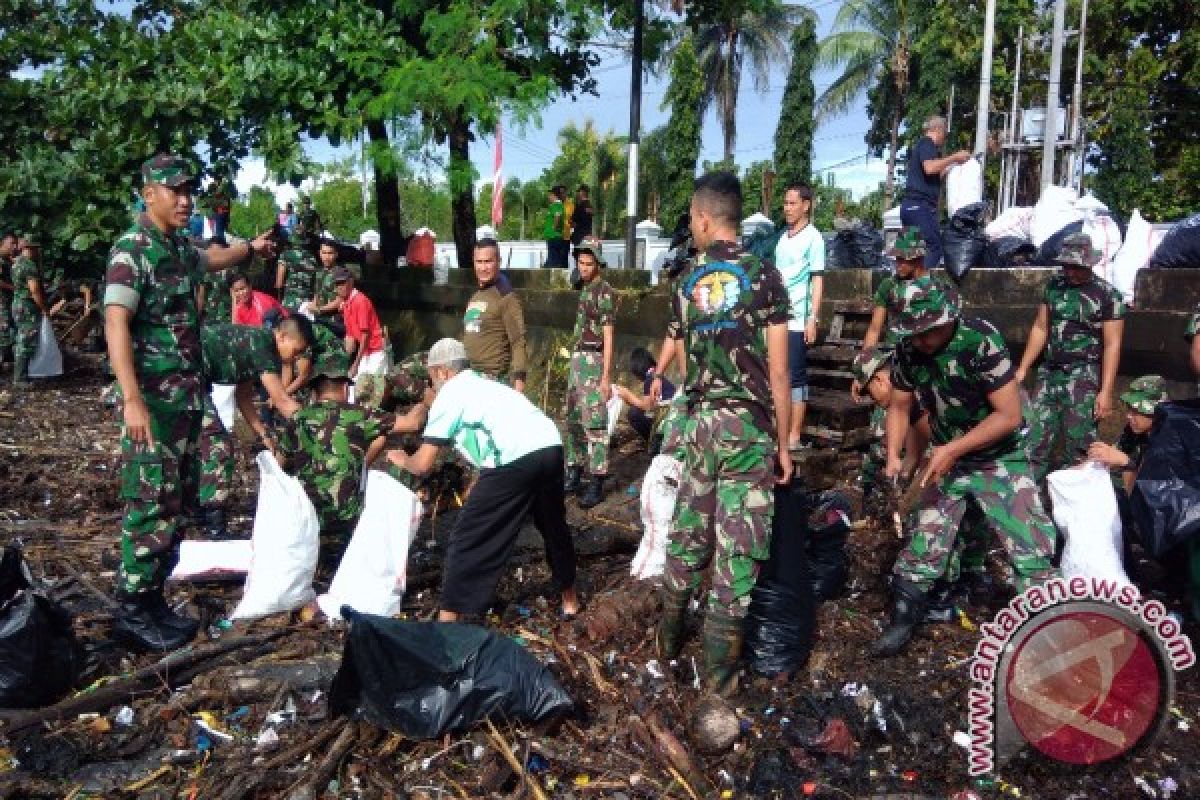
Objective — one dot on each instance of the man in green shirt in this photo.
(557, 246)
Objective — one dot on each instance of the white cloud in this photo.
(858, 177)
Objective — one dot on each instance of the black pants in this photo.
(557, 253)
(487, 528)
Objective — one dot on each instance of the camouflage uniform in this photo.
(324, 288)
(218, 301)
(299, 279)
(587, 413)
(954, 385)
(155, 275)
(1069, 377)
(308, 225)
(6, 299)
(27, 318)
(403, 385)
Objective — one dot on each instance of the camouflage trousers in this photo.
(723, 514)
(6, 325)
(215, 451)
(875, 460)
(587, 414)
(157, 484)
(1061, 413)
(971, 549)
(1007, 498)
(27, 321)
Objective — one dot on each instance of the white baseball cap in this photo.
(446, 351)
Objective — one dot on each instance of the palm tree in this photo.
(871, 43)
(759, 34)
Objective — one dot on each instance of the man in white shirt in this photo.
(518, 452)
(800, 259)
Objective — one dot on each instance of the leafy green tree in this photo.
(681, 139)
(598, 160)
(253, 214)
(794, 133)
(753, 185)
(652, 163)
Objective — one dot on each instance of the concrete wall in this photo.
(418, 313)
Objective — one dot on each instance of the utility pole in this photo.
(1012, 159)
(1077, 107)
(635, 123)
(985, 83)
(1050, 138)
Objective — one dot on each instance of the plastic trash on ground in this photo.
(39, 656)
(201, 560)
(46, 361)
(1085, 510)
(828, 526)
(425, 679)
(660, 488)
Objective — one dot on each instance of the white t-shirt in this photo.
(799, 258)
(491, 424)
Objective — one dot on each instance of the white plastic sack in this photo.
(213, 561)
(1014, 221)
(1085, 510)
(47, 359)
(226, 405)
(1054, 210)
(1134, 253)
(373, 571)
(285, 542)
(615, 406)
(964, 185)
(1105, 234)
(660, 489)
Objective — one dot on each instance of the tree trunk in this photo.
(462, 198)
(729, 111)
(889, 184)
(388, 212)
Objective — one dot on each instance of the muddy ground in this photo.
(146, 738)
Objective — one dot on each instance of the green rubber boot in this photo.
(21, 372)
(669, 640)
(722, 653)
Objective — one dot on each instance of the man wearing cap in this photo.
(1142, 398)
(28, 307)
(308, 223)
(589, 383)
(1079, 325)
(518, 452)
(152, 324)
(8, 249)
(926, 165)
(364, 334)
(494, 324)
(295, 278)
(960, 370)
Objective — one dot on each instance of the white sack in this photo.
(1054, 210)
(660, 488)
(213, 561)
(47, 359)
(964, 185)
(1140, 241)
(1014, 221)
(223, 399)
(374, 569)
(285, 541)
(1085, 510)
(1105, 234)
(615, 406)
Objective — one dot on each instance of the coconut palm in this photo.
(758, 34)
(871, 42)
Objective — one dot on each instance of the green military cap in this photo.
(1145, 393)
(927, 304)
(869, 361)
(167, 170)
(909, 244)
(333, 363)
(591, 244)
(1076, 251)
(369, 390)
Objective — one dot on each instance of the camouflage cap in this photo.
(927, 304)
(909, 244)
(1076, 251)
(1145, 393)
(869, 361)
(591, 244)
(167, 170)
(332, 363)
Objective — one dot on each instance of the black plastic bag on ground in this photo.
(1166, 495)
(1050, 248)
(963, 240)
(39, 656)
(1180, 248)
(1009, 251)
(425, 679)
(782, 615)
(828, 526)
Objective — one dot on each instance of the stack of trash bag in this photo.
(1049, 250)
(854, 245)
(1166, 495)
(1009, 251)
(1032, 235)
(964, 241)
(1180, 247)
(39, 655)
(828, 527)
(782, 616)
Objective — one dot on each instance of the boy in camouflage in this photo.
(28, 307)
(153, 332)
(1142, 397)
(960, 370)
(589, 383)
(729, 313)
(1079, 324)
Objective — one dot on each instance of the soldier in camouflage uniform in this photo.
(28, 307)
(729, 313)
(152, 321)
(216, 306)
(295, 278)
(589, 383)
(960, 370)
(296, 376)
(308, 224)
(1079, 324)
(240, 356)
(404, 385)
(8, 249)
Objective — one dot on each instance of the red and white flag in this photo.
(498, 181)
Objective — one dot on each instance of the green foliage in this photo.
(256, 213)
(680, 143)
(598, 160)
(752, 188)
(794, 134)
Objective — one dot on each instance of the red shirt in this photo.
(253, 313)
(362, 322)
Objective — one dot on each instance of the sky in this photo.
(528, 151)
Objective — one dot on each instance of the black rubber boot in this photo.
(574, 479)
(722, 653)
(21, 372)
(940, 603)
(6, 355)
(669, 640)
(168, 617)
(594, 493)
(907, 613)
(143, 623)
(213, 520)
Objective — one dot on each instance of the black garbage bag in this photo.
(1180, 248)
(839, 252)
(39, 655)
(1166, 495)
(783, 612)
(1050, 248)
(855, 245)
(963, 240)
(1009, 251)
(868, 246)
(425, 679)
(828, 527)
